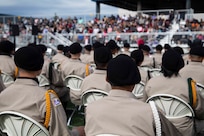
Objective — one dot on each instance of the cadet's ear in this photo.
(107, 79)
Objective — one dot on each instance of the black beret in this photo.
(102, 55)
(42, 47)
(197, 43)
(137, 55)
(198, 51)
(179, 50)
(97, 45)
(112, 45)
(167, 46)
(88, 47)
(146, 48)
(172, 60)
(159, 47)
(6, 47)
(127, 45)
(29, 58)
(122, 71)
(75, 48)
(60, 47)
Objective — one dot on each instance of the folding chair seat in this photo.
(73, 82)
(17, 124)
(92, 95)
(138, 90)
(7, 79)
(43, 81)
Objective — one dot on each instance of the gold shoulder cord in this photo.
(48, 107)
(194, 93)
(87, 69)
(16, 72)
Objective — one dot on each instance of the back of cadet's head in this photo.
(138, 56)
(6, 47)
(159, 47)
(122, 71)
(28, 58)
(75, 48)
(60, 47)
(179, 50)
(172, 62)
(102, 56)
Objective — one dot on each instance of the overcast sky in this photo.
(47, 8)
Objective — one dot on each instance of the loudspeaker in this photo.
(34, 30)
(14, 30)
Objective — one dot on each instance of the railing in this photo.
(152, 39)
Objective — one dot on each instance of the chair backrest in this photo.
(43, 81)
(73, 82)
(138, 90)
(200, 88)
(92, 95)
(107, 135)
(172, 106)
(154, 72)
(17, 124)
(7, 79)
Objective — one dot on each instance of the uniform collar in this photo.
(121, 93)
(28, 80)
(194, 63)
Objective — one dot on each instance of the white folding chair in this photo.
(92, 95)
(74, 83)
(154, 72)
(43, 81)
(200, 88)
(17, 124)
(7, 79)
(138, 90)
(173, 106)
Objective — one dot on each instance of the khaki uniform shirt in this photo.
(73, 67)
(122, 114)
(97, 80)
(25, 96)
(195, 70)
(7, 65)
(148, 61)
(59, 57)
(176, 86)
(87, 58)
(143, 74)
(158, 60)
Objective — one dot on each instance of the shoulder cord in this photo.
(87, 69)
(192, 92)
(156, 118)
(16, 72)
(48, 107)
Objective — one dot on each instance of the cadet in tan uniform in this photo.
(195, 68)
(126, 48)
(148, 59)
(172, 83)
(158, 56)
(25, 96)
(87, 57)
(74, 67)
(7, 64)
(59, 57)
(120, 113)
(97, 80)
(138, 56)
